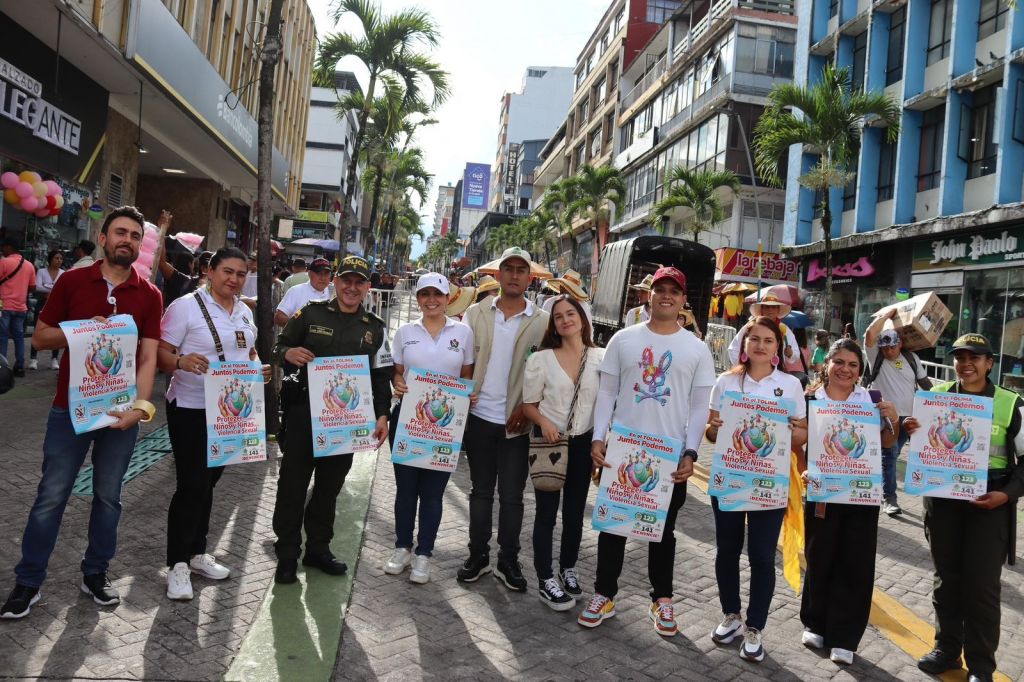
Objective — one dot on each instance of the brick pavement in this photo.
(147, 636)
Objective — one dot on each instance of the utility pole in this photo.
(270, 56)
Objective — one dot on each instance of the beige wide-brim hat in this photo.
(460, 300)
(571, 282)
(645, 283)
(770, 300)
(487, 283)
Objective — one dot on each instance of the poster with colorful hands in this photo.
(101, 357)
(844, 453)
(236, 425)
(341, 405)
(750, 465)
(432, 420)
(635, 491)
(949, 453)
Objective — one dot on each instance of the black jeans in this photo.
(840, 578)
(40, 302)
(968, 546)
(661, 556)
(495, 461)
(188, 517)
(730, 528)
(574, 502)
(292, 512)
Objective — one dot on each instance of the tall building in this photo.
(532, 113)
(330, 139)
(586, 135)
(939, 210)
(155, 103)
(443, 208)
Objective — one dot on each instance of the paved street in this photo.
(392, 628)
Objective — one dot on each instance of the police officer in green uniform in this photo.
(340, 326)
(969, 541)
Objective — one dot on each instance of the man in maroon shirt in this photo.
(95, 292)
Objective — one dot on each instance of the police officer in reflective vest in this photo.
(340, 326)
(969, 541)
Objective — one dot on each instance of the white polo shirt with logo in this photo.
(301, 294)
(413, 346)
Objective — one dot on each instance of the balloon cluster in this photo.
(147, 252)
(29, 192)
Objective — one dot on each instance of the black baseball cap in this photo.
(355, 265)
(975, 343)
(320, 265)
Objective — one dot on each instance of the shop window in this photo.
(976, 142)
(929, 165)
(886, 170)
(894, 59)
(991, 17)
(940, 29)
(860, 54)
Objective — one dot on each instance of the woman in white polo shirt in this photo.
(209, 324)
(441, 344)
(757, 373)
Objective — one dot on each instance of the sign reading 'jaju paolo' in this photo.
(982, 248)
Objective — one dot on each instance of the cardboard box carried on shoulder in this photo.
(919, 320)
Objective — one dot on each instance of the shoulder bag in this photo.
(550, 461)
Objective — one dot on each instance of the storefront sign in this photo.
(741, 265)
(313, 216)
(21, 103)
(858, 268)
(983, 248)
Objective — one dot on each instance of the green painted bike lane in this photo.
(296, 634)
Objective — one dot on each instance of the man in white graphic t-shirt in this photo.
(656, 377)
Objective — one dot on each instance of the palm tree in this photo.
(595, 188)
(698, 191)
(386, 46)
(829, 125)
(558, 197)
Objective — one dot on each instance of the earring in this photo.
(743, 357)
(775, 361)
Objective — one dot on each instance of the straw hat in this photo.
(487, 283)
(571, 282)
(645, 283)
(459, 301)
(770, 300)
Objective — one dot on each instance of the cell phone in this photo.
(876, 396)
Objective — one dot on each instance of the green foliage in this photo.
(697, 190)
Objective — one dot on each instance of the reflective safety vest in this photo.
(1002, 414)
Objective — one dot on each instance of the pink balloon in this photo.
(52, 188)
(29, 203)
(43, 213)
(9, 180)
(24, 189)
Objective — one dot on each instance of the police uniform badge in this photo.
(368, 338)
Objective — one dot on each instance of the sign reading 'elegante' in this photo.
(997, 246)
(21, 101)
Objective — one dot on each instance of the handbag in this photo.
(550, 461)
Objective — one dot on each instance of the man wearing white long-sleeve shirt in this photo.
(657, 378)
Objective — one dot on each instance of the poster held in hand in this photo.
(949, 453)
(236, 430)
(844, 453)
(750, 465)
(101, 359)
(341, 405)
(432, 420)
(636, 490)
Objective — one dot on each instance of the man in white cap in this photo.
(896, 374)
(769, 306)
(642, 312)
(506, 330)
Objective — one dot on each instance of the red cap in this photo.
(670, 273)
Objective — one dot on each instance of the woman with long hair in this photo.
(441, 344)
(568, 360)
(45, 279)
(841, 539)
(758, 373)
(198, 328)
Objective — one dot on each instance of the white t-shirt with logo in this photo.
(413, 346)
(656, 373)
(298, 296)
(896, 380)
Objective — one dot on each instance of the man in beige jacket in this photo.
(506, 329)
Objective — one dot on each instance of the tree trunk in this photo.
(264, 214)
(826, 226)
(375, 202)
(352, 176)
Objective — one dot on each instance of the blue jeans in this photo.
(762, 530)
(63, 454)
(889, 456)
(12, 325)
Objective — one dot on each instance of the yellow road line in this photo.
(893, 620)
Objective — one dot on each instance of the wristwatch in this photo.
(690, 452)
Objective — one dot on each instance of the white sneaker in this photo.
(206, 566)
(812, 640)
(843, 656)
(752, 649)
(33, 364)
(55, 364)
(730, 628)
(420, 573)
(179, 583)
(400, 560)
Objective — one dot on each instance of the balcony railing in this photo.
(704, 24)
(645, 83)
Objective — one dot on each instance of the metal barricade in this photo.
(395, 307)
(939, 373)
(718, 338)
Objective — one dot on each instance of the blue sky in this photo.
(486, 46)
